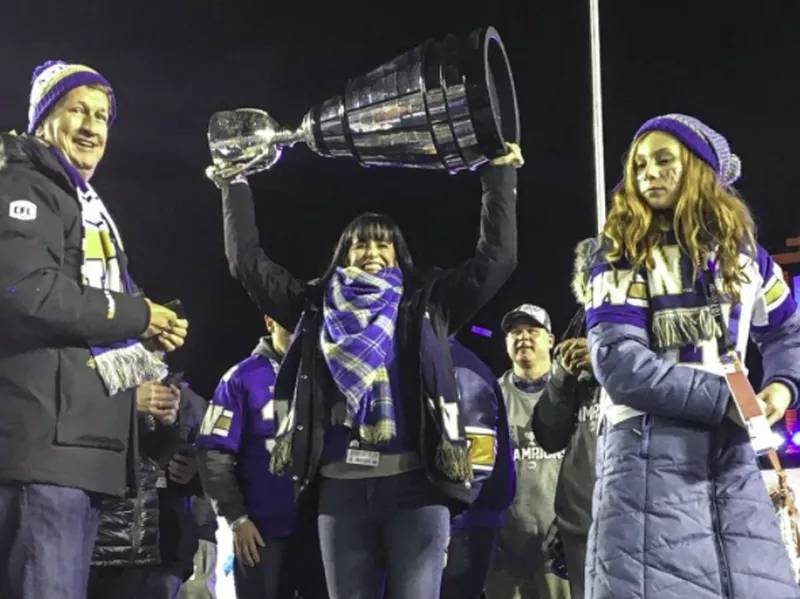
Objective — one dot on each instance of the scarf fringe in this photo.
(128, 367)
(453, 461)
(383, 431)
(677, 328)
(281, 458)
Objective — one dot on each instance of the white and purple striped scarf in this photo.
(125, 364)
(360, 313)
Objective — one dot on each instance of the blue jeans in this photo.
(287, 565)
(394, 528)
(160, 584)
(46, 538)
(133, 582)
(469, 558)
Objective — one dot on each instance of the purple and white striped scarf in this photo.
(359, 317)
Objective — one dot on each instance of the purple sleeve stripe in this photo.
(764, 262)
(630, 315)
(778, 316)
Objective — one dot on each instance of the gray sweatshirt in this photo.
(532, 511)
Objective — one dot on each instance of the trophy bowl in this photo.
(444, 105)
(242, 141)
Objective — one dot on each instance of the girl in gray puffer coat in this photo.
(680, 509)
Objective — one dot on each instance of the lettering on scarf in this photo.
(666, 276)
(617, 288)
(450, 418)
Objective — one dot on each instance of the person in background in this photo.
(276, 548)
(475, 532)
(179, 488)
(566, 419)
(71, 338)
(202, 584)
(520, 569)
(126, 561)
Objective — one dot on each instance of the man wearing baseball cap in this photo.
(519, 570)
(77, 341)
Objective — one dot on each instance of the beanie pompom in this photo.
(43, 67)
(55, 79)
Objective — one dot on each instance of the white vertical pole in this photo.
(597, 115)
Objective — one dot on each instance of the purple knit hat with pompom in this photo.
(53, 80)
(707, 144)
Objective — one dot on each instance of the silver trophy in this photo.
(445, 105)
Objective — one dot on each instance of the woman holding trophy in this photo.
(374, 434)
(374, 424)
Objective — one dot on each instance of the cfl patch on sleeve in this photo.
(22, 210)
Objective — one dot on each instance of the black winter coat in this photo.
(57, 423)
(450, 296)
(128, 533)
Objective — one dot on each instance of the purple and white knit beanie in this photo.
(53, 80)
(707, 144)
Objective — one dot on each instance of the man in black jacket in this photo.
(566, 419)
(70, 331)
(146, 541)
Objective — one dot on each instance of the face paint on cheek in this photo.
(672, 175)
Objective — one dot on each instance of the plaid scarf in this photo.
(439, 392)
(359, 318)
(125, 364)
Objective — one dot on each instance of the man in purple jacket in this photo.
(276, 553)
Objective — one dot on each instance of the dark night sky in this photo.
(173, 63)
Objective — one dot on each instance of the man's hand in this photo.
(182, 468)
(161, 319)
(775, 398)
(175, 337)
(165, 327)
(573, 355)
(513, 158)
(159, 400)
(246, 541)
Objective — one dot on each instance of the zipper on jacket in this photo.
(423, 413)
(724, 573)
(647, 426)
(137, 499)
(423, 400)
(136, 526)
